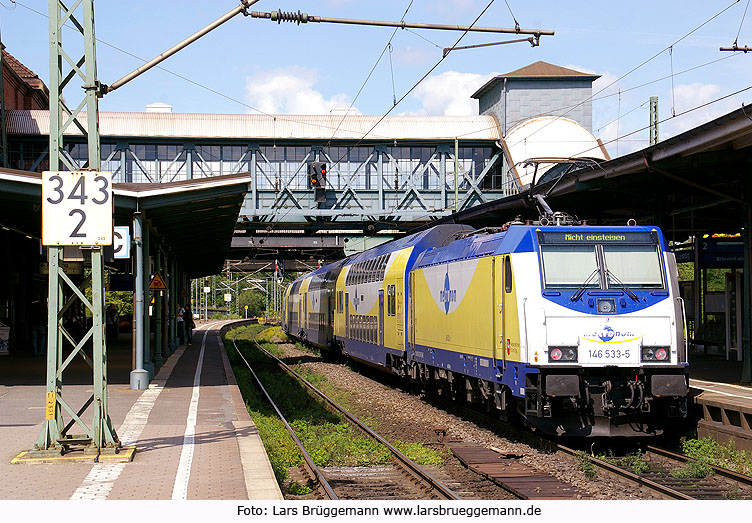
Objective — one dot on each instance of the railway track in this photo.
(718, 485)
(509, 472)
(658, 479)
(401, 479)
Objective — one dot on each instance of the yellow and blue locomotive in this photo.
(578, 330)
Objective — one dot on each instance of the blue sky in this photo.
(259, 65)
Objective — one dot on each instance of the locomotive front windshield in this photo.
(600, 260)
(570, 266)
(633, 265)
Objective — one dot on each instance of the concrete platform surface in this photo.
(194, 437)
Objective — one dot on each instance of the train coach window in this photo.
(507, 274)
(391, 308)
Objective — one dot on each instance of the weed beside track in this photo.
(328, 438)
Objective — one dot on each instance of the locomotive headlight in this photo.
(606, 306)
(557, 354)
(655, 354)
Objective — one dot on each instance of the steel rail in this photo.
(407, 462)
(549, 445)
(631, 476)
(309, 461)
(726, 473)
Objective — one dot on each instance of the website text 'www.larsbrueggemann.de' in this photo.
(333, 511)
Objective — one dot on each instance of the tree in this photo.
(256, 301)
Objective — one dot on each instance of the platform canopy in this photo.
(194, 218)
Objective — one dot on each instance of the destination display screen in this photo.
(589, 237)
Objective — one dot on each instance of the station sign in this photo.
(121, 242)
(157, 283)
(722, 253)
(77, 208)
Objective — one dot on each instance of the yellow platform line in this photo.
(125, 455)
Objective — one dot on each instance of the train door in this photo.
(411, 319)
(399, 290)
(512, 350)
(304, 322)
(498, 311)
(347, 315)
(289, 308)
(381, 316)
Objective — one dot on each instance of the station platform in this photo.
(194, 438)
(725, 403)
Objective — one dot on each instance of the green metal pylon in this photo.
(55, 436)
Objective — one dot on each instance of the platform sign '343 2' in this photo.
(76, 208)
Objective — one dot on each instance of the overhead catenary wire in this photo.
(391, 69)
(598, 130)
(516, 23)
(736, 40)
(416, 33)
(198, 84)
(673, 89)
(357, 95)
(416, 84)
(716, 100)
(735, 46)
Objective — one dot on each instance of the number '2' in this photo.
(75, 233)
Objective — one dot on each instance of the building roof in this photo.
(28, 76)
(261, 126)
(19, 68)
(539, 71)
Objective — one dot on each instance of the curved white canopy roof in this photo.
(549, 137)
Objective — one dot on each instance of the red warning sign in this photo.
(157, 283)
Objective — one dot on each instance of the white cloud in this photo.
(290, 90)
(413, 55)
(605, 85)
(448, 94)
(688, 96)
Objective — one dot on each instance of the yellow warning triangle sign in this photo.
(157, 283)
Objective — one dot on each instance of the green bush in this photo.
(712, 452)
(693, 469)
(634, 462)
(586, 466)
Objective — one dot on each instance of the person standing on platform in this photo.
(38, 327)
(181, 323)
(189, 324)
(112, 318)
